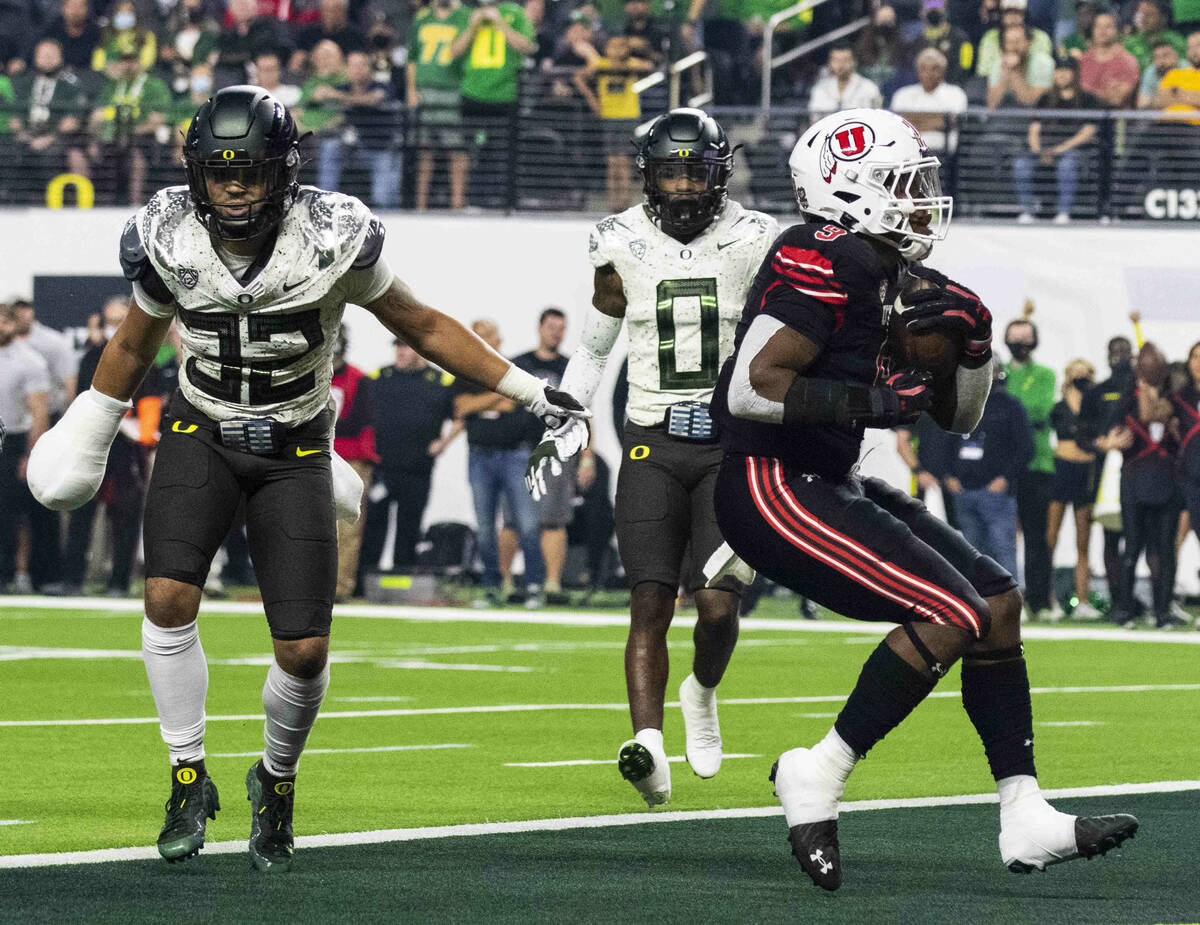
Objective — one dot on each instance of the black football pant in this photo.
(17, 503)
(122, 494)
(1033, 503)
(859, 547)
(408, 490)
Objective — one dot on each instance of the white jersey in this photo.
(262, 347)
(683, 300)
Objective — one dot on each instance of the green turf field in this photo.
(473, 720)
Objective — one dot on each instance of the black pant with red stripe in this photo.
(857, 546)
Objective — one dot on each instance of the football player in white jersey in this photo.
(675, 270)
(257, 269)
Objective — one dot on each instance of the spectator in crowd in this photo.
(498, 449)
(1165, 59)
(16, 35)
(318, 108)
(25, 410)
(268, 74)
(593, 522)
(434, 76)
(607, 85)
(579, 44)
(1076, 43)
(1057, 142)
(555, 507)
(1021, 74)
(1149, 494)
(367, 134)
(132, 113)
(125, 477)
(123, 36)
(880, 54)
(726, 41)
(417, 427)
(1187, 404)
(1179, 90)
(1150, 28)
(842, 87)
(334, 26)
(648, 35)
(1075, 479)
(354, 441)
(47, 104)
(1107, 70)
(246, 35)
(55, 348)
(992, 48)
(1032, 385)
(495, 41)
(199, 88)
(981, 471)
(931, 104)
(936, 31)
(193, 37)
(1101, 431)
(77, 33)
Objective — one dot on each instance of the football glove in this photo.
(901, 399)
(543, 461)
(66, 466)
(556, 408)
(952, 307)
(347, 489)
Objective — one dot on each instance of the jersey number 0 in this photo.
(695, 299)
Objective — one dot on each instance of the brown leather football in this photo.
(937, 352)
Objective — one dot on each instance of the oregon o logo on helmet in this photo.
(684, 152)
(227, 154)
(851, 141)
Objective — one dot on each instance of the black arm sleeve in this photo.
(372, 247)
(136, 265)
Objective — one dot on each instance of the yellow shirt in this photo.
(1185, 78)
(614, 91)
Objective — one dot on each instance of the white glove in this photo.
(67, 464)
(556, 409)
(347, 489)
(540, 461)
(558, 444)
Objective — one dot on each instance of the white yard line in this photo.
(28, 606)
(547, 707)
(342, 751)
(380, 836)
(1074, 722)
(16, 822)
(578, 762)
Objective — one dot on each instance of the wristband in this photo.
(520, 386)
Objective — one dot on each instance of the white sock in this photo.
(703, 694)
(835, 755)
(178, 674)
(651, 738)
(291, 705)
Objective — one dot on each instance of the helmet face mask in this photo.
(869, 170)
(685, 160)
(242, 160)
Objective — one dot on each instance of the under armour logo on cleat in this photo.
(819, 857)
(1028, 743)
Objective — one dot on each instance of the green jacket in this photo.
(1034, 386)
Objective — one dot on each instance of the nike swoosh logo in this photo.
(288, 287)
(722, 247)
(302, 453)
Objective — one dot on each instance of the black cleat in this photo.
(1094, 835)
(815, 846)
(271, 800)
(193, 800)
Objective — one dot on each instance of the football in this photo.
(937, 352)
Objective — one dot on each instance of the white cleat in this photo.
(702, 730)
(645, 766)
(1034, 835)
(810, 797)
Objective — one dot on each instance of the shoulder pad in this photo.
(133, 254)
(372, 246)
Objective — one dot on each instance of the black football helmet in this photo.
(243, 135)
(685, 142)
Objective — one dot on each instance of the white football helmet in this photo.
(869, 170)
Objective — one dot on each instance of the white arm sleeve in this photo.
(744, 402)
(972, 387)
(582, 377)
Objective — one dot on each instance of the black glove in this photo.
(555, 408)
(900, 400)
(952, 307)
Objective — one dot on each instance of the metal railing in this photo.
(771, 61)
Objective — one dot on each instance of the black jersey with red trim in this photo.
(829, 285)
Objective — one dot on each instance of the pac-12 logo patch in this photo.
(850, 141)
(188, 277)
(638, 249)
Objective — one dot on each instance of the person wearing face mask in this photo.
(879, 54)
(1033, 386)
(1075, 475)
(125, 36)
(45, 114)
(195, 35)
(936, 31)
(1150, 505)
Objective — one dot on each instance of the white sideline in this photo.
(379, 836)
(545, 707)
(573, 618)
(579, 762)
(342, 751)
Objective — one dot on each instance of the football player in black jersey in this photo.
(810, 372)
(258, 270)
